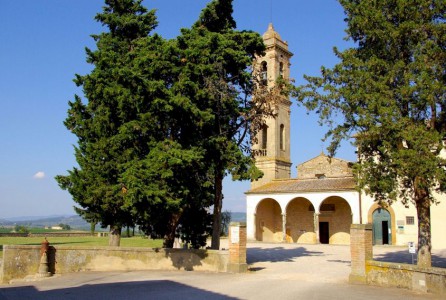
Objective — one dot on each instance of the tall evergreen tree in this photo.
(217, 77)
(104, 123)
(391, 91)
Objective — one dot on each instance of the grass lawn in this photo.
(79, 241)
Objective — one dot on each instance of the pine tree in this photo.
(217, 78)
(390, 89)
(104, 123)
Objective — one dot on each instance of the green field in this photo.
(136, 241)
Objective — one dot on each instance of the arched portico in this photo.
(268, 221)
(300, 227)
(334, 220)
(286, 204)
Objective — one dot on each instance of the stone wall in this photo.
(20, 261)
(432, 280)
(323, 165)
(366, 270)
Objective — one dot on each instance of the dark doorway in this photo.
(381, 227)
(385, 228)
(324, 233)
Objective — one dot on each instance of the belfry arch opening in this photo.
(264, 73)
(269, 221)
(282, 137)
(264, 141)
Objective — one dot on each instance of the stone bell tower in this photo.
(273, 140)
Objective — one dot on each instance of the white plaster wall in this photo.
(410, 232)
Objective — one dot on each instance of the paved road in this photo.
(277, 271)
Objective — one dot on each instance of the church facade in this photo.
(319, 205)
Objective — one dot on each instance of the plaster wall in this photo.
(405, 232)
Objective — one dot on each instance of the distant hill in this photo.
(76, 222)
(238, 217)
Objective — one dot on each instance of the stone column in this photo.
(237, 248)
(361, 250)
(316, 227)
(283, 227)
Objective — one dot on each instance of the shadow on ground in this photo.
(278, 254)
(155, 289)
(438, 261)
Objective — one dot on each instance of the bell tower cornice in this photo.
(272, 39)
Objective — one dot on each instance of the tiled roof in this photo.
(306, 185)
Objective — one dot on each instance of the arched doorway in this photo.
(382, 224)
(300, 222)
(335, 219)
(269, 221)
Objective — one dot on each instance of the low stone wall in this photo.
(11, 234)
(432, 280)
(20, 261)
(366, 270)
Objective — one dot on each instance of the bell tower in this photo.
(273, 140)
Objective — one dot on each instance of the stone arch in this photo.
(269, 221)
(264, 73)
(300, 221)
(335, 219)
(374, 207)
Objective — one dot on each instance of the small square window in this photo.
(410, 220)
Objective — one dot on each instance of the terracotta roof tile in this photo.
(305, 185)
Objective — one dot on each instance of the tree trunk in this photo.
(114, 238)
(92, 227)
(218, 202)
(169, 236)
(424, 229)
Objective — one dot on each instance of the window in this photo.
(264, 136)
(410, 220)
(327, 207)
(282, 137)
(264, 73)
(281, 70)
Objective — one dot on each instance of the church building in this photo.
(319, 205)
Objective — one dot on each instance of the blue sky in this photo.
(42, 46)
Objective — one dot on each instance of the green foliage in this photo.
(104, 124)
(65, 226)
(390, 91)
(225, 221)
(21, 229)
(163, 122)
(216, 76)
